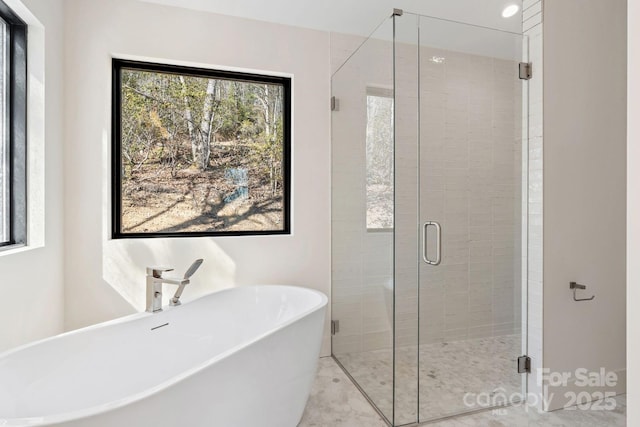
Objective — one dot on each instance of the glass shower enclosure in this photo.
(429, 204)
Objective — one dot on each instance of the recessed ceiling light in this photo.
(510, 10)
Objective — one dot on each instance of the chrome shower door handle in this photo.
(425, 255)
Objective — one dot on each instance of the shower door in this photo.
(472, 150)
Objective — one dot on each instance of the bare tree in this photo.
(269, 98)
(202, 135)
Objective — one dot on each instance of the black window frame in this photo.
(116, 144)
(16, 119)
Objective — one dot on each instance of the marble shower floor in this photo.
(448, 371)
(336, 402)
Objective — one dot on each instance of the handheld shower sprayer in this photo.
(185, 281)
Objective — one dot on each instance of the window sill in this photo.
(15, 249)
(379, 230)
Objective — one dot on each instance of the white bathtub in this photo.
(242, 357)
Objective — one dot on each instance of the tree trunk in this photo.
(189, 117)
(200, 137)
(203, 149)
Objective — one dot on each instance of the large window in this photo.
(199, 152)
(379, 146)
(13, 91)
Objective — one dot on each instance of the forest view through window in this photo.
(199, 152)
(380, 157)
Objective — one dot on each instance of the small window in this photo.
(380, 157)
(199, 152)
(13, 113)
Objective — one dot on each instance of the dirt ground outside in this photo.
(156, 199)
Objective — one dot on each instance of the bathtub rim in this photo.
(113, 405)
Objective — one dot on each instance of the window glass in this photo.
(200, 152)
(4, 140)
(379, 159)
(13, 125)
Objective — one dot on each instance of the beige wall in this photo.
(584, 185)
(105, 278)
(32, 280)
(633, 212)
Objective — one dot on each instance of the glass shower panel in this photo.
(406, 244)
(471, 197)
(363, 216)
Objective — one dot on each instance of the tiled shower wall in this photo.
(471, 150)
(471, 139)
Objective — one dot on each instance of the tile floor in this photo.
(335, 402)
(448, 371)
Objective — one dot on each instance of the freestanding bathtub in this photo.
(241, 357)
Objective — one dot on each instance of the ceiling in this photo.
(355, 16)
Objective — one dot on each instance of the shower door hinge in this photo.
(335, 327)
(335, 104)
(397, 12)
(524, 365)
(525, 70)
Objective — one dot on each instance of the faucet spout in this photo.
(155, 281)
